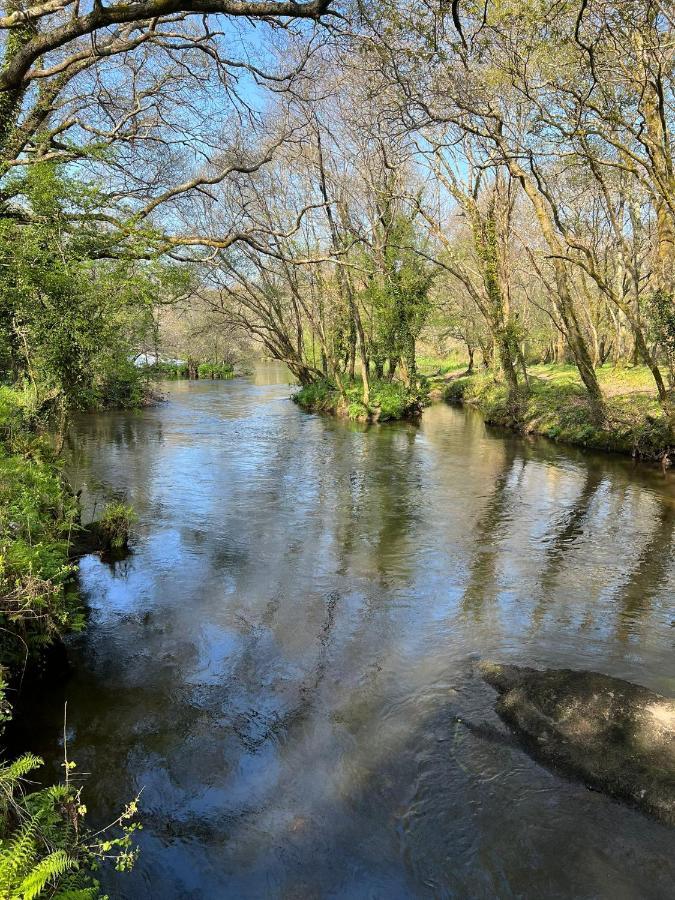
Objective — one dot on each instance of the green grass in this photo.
(557, 407)
(115, 525)
(389, 400)
(441, 365)
(614, 381)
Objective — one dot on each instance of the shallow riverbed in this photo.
(281, 663)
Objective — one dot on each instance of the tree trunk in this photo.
(563, 297)
(469, 368)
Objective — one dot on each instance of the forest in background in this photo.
(338, 186)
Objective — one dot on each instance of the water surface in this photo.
(281, 665)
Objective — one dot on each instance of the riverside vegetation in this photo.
(556, 405)
(68, 330)
(44, 844)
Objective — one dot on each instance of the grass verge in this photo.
(557, 407)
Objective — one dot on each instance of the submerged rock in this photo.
(616, 736)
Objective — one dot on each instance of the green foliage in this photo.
(37, 515)
(558, 407)
(166, 370)
(215, 370)
(389, 400)
(173, 370)
(319, 396)
(69, 317)
(397, 293)
(115, 525)
(662, 326)
(44, 848)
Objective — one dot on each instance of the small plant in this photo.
(45, 850)
(115, 525)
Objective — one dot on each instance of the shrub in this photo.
(319, 396)
(37, 513)
(389, 400)
(215, 370)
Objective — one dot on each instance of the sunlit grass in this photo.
(557, 406)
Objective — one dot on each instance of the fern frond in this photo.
(56, 792)
(17, 856)
(10, 774)
(78, 894)
(47, 870)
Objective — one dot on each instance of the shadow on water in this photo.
(286, 665)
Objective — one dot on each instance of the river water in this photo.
(281, 664)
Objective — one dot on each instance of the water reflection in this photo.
(286, 663)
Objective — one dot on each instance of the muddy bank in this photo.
(617, 737)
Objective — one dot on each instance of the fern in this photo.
(10, 774)
(46, 872)
(78, 894)
(44, 853)
(16, 858)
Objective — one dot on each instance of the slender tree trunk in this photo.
(564, 297)
(469, 368)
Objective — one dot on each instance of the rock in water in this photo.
(616, 736)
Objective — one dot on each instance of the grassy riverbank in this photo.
(556, 406)
(389, 400)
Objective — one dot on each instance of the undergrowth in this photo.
(389, 400)
(45, 849)
(115, 525)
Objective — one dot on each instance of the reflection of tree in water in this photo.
(489, 530)
(113, 449)
(571, 526)
(649, 574)
(378, 507)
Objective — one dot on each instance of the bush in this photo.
(389, 400)
(121, 387)
(37, 513)
(165, 370)
(319, 396)
(215, 370)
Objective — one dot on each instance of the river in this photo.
(282, 664)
